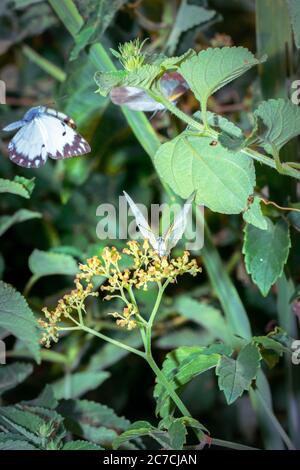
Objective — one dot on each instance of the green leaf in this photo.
(139, 429)
(177, 433)
(253, 215)
(92, 421)
(46, 263)
(17, 318)
(221, 123)
(267, 342)
(35, 424)
(20, 186)
(266, 252)
(294, 12)
(77, 384)
(6, 221)
(280, 335)
(188, 17)
(205, 315)
(223, 180)
(181, 366)
(281, 122)
(13, 374)
(235, 376)
(212, 69)
(81, 445)
(16, 445)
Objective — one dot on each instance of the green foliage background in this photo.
(50, 51)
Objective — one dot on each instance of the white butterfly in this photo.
(44, 132)
(172, 85)
(162, 245)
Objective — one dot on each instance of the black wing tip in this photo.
(78, 147)
(23, 161)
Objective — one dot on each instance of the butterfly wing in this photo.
(141, 222)
(28, 147)
(173, 85)
(177, 228)
(135, 99)
(62, 140)
(14, 126)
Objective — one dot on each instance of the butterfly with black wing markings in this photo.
(44, 132)
(162, 245)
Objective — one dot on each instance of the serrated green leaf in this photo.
(92, 421)
(17, 318)
(177, 433)
(81, 445)
(236, 375)
(220, 122)
(77, 384)
(47, 263)
(281, 122)
(135, 430)
(266, 252)
(253, 215)
(188, 17)
(223, 180)
(7, 221)
(16, 445)
(20, 186)
(13, 374)
(38, 425)
(180, 366)
(212, 69)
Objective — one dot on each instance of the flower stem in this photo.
(166, 384)
(207, 131)
(119, 344)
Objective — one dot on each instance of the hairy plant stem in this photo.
(285, 168)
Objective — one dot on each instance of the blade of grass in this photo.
(67, 12)
(44, 64)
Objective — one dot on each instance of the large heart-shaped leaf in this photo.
(223, 180)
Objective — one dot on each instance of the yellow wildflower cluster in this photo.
(147, 268)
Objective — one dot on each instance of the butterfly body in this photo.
(162, 244)
(161, 247)
(44, 132)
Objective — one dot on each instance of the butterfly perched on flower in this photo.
(172, 84)
(44, 132)
(162, 245)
